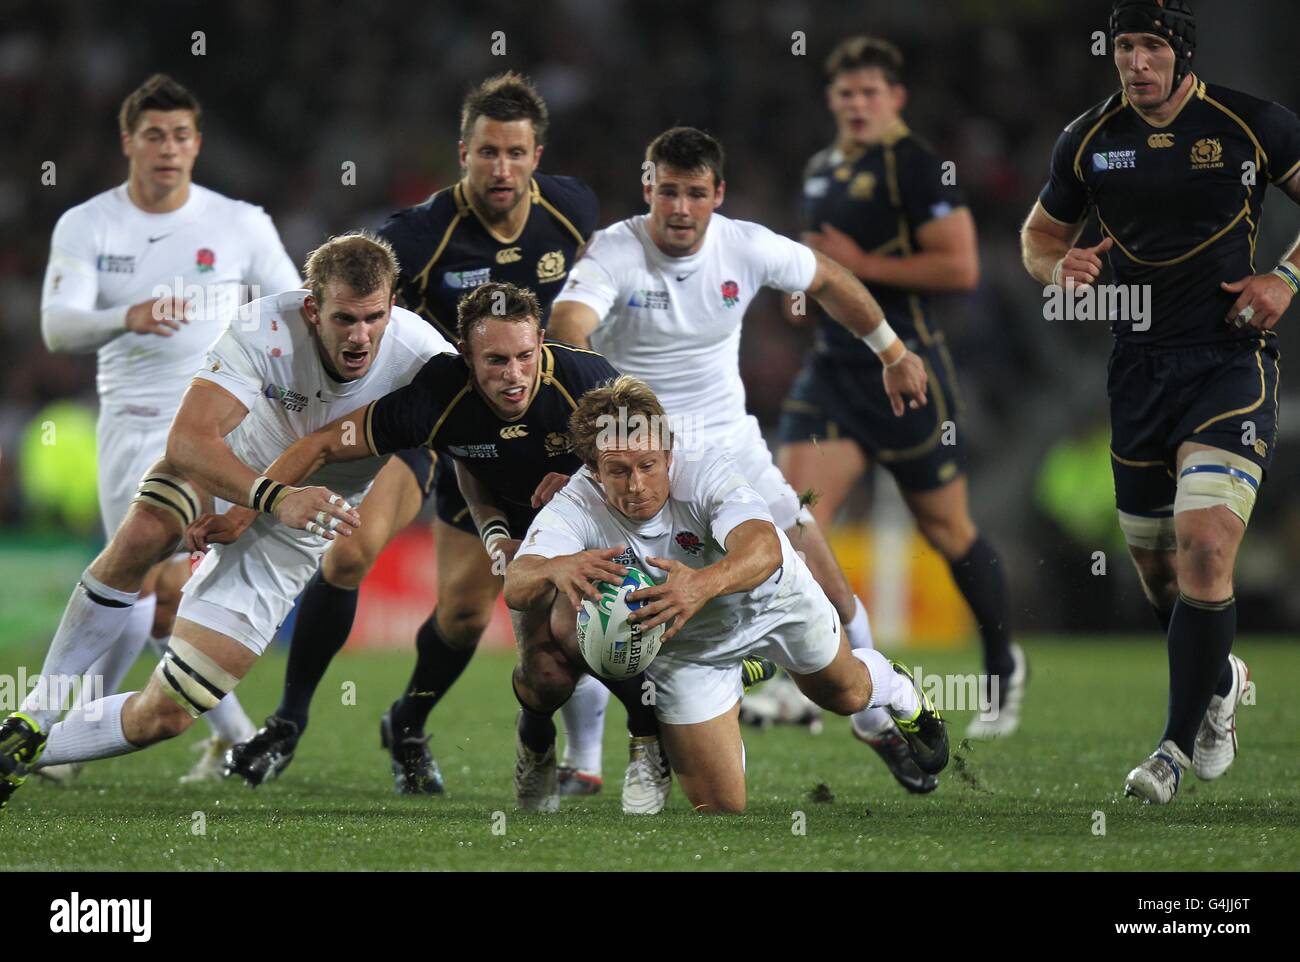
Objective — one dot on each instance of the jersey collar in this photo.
(464, 207)
(1196, 91)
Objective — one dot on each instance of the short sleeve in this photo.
(728, 499)
(592, 281)
(398, 230)
(786, 265)
(1281, 139)
(71, 278)
(228, 364)
(270, 267)
(926, 192)
(1064, 198)
(583, 370)
(405, 418)
(559, 529)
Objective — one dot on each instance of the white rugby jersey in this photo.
(708, 498)
(674, 322)
(268, 359)
(109, 253)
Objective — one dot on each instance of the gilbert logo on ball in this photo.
(613, 647)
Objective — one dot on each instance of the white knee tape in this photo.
(174, 495)
(1151, 533)
(192, 679)
(1210, 478)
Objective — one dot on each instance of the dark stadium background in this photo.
(292, 90)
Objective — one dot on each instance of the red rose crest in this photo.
(689, 542)
(730, 293)
(205, 260)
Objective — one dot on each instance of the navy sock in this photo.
(1163, 615)
(978, 576)
(325, 616)
(641, 718)
(1200, 637)
(437, 666)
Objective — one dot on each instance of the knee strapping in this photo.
(174, 495)
(192, 679)
(1209, 478)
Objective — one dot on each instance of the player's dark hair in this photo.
(619, 409)
(159, 92)
(496, 301)
(687, 149)
(862, 52)
(361, 260)
(505, 97)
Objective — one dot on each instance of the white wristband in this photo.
(882, 338)
(1057, 268)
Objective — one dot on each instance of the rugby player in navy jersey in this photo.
(503, 221)
(1175, 170)
(878, 202)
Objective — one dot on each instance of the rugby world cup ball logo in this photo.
(730, 293)
(205, 260)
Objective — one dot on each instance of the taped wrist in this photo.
(493, 531)
(265, 495)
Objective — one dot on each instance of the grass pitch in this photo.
(1094, 709)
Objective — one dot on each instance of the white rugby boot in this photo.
(209, 767)
(1216, 742)
(780, 702)
(537, 786)
(648, 779)
(1156, 780)
(61, 775)
(1011, 696)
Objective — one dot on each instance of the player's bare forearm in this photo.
(527, 583)
(483, 507)
(937, 272)
(196, 444)
(753, 555)
(572, 323)
(844, 297)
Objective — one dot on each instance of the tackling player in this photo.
(501, 409)
(1193, 387)
(144, 275)
(503, 221)
(734, 586)
(877, 202)
(662, 295)
(286, 365)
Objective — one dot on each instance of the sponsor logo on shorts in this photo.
(1261, 448)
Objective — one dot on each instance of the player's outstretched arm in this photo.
(572, 322)
(488, 518)
(196, 446)
(531, 581)
(847, 301)
(753, 555)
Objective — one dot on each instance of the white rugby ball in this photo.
(612, 647)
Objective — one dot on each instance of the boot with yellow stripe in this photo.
(925, 732)
(21, 743)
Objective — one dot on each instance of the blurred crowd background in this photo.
(293, 89)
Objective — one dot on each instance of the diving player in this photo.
(1175, 169)
(145, 275)
(878, 202)
(663, 295)
(503, 221)
(285, 366)
(731, 584)
(501, 410)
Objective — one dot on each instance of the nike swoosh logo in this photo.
(682, 277)
(154, 240)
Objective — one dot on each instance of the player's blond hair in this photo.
(361, 260)
(607, 410)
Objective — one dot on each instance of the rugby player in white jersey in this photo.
(285, 366)
(145, 275)
(662, 295)
(730, 584)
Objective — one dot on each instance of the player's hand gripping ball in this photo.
(612, 647)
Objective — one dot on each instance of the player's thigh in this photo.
(467, 588)
(708, 760)
(392, 503)
(828, 469)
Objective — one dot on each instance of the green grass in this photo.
(1094, 710)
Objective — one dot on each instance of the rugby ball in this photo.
(612, 647)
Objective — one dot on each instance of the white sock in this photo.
(859, 629)
(88, 629)
(584, 725)
(89, 733)
(888, 687)
(229, 721)
(106, 674)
